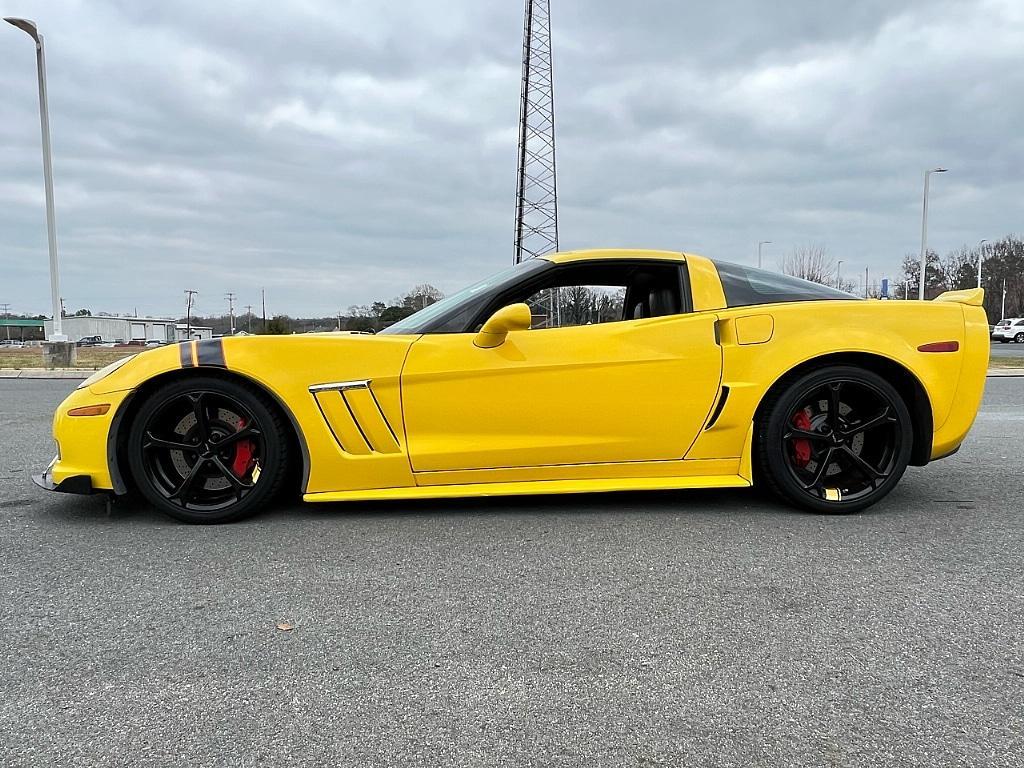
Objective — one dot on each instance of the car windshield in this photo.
(451, 314)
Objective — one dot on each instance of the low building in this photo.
(197, 332)
(19, 329)
(125, 330)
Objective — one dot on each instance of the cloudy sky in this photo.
(337, 152)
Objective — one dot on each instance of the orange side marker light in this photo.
(90, 410)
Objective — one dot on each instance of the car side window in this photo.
(592, 293)
(564, 306)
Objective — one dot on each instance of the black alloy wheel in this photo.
(1019, 338)
(837, 440)
(207, 450)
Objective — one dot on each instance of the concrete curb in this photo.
(997, 372)
(46, 373)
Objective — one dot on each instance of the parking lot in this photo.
(1000, 350)
(678, 628)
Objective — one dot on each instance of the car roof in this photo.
(595, 254)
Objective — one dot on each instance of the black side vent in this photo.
(718, 408)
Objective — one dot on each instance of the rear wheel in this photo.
(835, 440)
(208, 450)
(1019, 338)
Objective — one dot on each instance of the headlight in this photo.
(102, 373)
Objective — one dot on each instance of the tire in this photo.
(1019, 338)
(829, 460)
(173, 450)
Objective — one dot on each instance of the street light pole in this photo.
(981, 252)
(29, 28)
(839, 274)
(924, 228)
(763, 242)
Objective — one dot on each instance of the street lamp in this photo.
(924, 228)
(29, 28)
(763, 242)
(839, 274)
(981, 252)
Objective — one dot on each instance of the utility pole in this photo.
(231, 310)
(188, 314)
(759, 245)
(839, 274)
(1002, 312)
(7, 313)
(865, 282)
(248, 314)
(263, 296)
(536, 188)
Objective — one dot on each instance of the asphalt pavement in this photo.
(1010, 349)
(677, 628)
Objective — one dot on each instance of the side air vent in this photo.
(718, 408)
(355, 418)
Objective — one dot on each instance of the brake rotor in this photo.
(224, 421)
(802, 448)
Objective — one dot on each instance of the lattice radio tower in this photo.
(536, 192)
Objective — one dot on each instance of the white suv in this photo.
(1011, 329)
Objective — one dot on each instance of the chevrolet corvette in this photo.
(576, 372)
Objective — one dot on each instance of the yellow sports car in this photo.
(577, 372)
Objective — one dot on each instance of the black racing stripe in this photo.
(185, 350)
(210, 352)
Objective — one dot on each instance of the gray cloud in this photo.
(340, 152)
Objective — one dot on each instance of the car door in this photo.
(629, 391)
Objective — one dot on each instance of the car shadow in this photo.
(671, 502)
(714, 502)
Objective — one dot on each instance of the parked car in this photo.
(11, 343)
(155, 342)
(705, 374)
(1010, 329)
(89, 341)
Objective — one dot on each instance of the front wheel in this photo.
(1019, 338)
(835, 440)
(208, 450)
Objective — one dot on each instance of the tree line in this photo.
(362, 318)
(1002, 265)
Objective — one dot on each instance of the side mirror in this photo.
(514, 317)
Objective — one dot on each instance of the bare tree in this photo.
(810, 262)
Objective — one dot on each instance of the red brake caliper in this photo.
(801, 446)
(243, 454)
